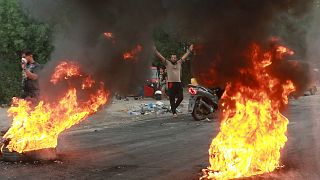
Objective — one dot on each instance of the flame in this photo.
(88, 82)
(108, 35)
(38, 127)
(284, 51)
(65, 70)
(252, 131)
(131, 54)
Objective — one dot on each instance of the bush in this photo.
(17, 33)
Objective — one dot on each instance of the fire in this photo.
(65, 70)
(252, 131)
(131, 54)
(38, 127)
(284, 51)
(88, 82)
(108, 35)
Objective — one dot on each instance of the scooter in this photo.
(203, 101)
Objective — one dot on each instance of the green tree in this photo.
(17, 33)
(167, 45)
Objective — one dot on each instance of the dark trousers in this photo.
(31, 95)
(175, 95)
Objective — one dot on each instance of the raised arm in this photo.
(159, 55)
(184, 57)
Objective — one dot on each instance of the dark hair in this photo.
(27, 53)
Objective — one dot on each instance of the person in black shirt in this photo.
(30, 85)
(30, 76)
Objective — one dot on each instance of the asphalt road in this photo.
(167, 148)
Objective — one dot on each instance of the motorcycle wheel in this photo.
(313, 90)
(197, 112)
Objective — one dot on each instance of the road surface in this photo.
(166, 148)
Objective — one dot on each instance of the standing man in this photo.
(30, 83)
(173, 66)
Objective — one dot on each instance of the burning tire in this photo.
(48, 154)
(10, 156)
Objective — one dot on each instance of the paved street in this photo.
(165, 148)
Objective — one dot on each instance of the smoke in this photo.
(313, 58)
(79, 27)
(313, 38)
(225, 31)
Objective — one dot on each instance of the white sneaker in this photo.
(175, 115)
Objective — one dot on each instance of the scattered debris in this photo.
(4, 105)
(58, 162)
(145, 109)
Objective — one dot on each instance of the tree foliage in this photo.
(17, 33)
(167, 45)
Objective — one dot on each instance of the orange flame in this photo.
(108, 35)
(281, 50)
(252, 131)
(38, 127)
(132, 53)
(88, 82)
(65, 70)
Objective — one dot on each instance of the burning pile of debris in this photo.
(35, 128)
(253, 131)
(48, 154)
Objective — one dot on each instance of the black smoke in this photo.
(225, 30)
(222, 29)
(79, 27)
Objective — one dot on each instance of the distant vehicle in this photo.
(312, 87)
(152, 86)
(313, 74)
